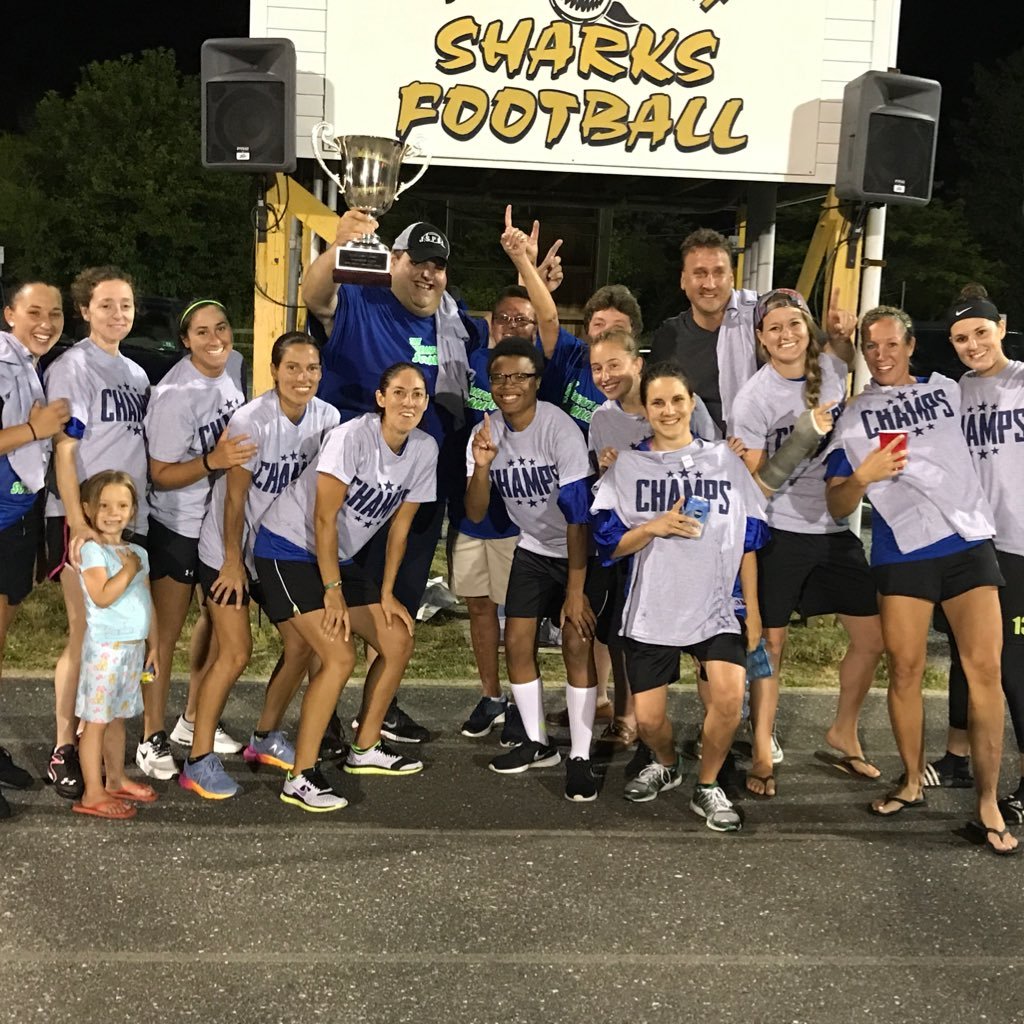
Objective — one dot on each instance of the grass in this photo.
(443, 651)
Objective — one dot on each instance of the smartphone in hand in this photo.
(697, 508)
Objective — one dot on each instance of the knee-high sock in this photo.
(529, 698)
(581, 704)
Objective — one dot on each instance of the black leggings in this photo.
(1011, 602)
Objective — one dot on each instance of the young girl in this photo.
(370, 471)
(287, 426)
(107, 395)
(120, 643)
(688, 510)
(783, 416)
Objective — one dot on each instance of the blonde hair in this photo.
(621, 337)
(92, 489)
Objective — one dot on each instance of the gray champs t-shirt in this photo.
(186, 415)
(283, 450)
(379, 480)
(938, 494)
(531, 467)
(992, 418)
(681, 588)
(108, 396)
(763, 416)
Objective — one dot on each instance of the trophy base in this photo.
(362, 264)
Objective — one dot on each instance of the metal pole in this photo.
(870, 291)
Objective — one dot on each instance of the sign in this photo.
(702, 88)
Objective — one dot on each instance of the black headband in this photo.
(967, 309)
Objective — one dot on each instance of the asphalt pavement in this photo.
(458, 895)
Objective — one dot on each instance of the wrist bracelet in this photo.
(35, 436)
(206, 462)
(332, 586)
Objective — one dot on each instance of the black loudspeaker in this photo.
(248, 90)
(887, 146)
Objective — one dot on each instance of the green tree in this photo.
(989, 146)
(113, 174)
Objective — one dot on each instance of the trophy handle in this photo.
(324, 136)
(416, 151)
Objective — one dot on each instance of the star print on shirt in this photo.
(918, 431)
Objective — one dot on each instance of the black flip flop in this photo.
(846, 762)
(904, 805)
(976, 832)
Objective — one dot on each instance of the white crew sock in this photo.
(581, 704)
(529, 698)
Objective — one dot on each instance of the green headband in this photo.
(195, 305)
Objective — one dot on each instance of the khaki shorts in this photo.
(480, 568)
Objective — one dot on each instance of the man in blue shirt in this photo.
(371, 328)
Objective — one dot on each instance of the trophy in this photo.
(371, 167)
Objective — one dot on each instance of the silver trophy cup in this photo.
(371, 167)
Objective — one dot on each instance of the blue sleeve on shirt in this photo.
(757, 534)
(837, 464)
(75, 428)
(574, 501)
(608, 530)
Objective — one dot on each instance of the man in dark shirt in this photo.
(713, 340)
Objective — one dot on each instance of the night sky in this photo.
(44, 45)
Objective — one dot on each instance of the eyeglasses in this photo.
(512, 321)
(510, 378)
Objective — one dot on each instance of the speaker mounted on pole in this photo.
(888, 138)
(248, 105)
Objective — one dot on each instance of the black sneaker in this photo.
(489, 712)
(948, 772)
(580, 784)
(10, 774)
(1012, 809)
(334, 745)
(525, 756)
(513, 732)
(641, 758)
(399, 727)
(5, 808)
(65, 772)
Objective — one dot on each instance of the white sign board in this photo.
(745, 89)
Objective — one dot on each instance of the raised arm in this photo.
(517, 246)
(319, 292)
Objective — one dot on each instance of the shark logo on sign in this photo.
(582, 11)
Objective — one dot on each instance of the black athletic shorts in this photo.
(172, 554)
(939, 579)
(294, 588)
(817, 573)
(56, 535)
(606, 590)
(536, 586)
(19, 544)
(649, 666)
(1011, 601)
(206, 576)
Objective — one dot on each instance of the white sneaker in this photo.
(153, 756)
(777, 753)
(184, 730)
(312, 792)
(381, 760)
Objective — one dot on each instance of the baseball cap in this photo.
(776, 298)
(422, 241)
